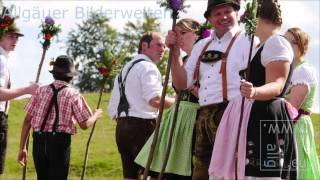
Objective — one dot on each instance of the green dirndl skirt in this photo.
(180, 158)
(308, 162)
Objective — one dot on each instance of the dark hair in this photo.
(62, 78)
(270, 10)
(145, 38)
(302, 39)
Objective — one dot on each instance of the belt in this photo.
(216, 105)
(60, 134)
(130, 119)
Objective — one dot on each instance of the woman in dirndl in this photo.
(180, 158)
(264, 148)
(301, 95)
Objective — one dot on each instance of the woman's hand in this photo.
(247, 90)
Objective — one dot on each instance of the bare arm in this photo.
(276, 75)
(22, 157)
(297, 95)
(88, 123)
(179, 75)
(8, 94)
(155, 102)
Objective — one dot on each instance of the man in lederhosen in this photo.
(52, 114)
(8, 42)
(212, 68)
(135, 101)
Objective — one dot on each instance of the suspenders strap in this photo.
(123, 103)
(223, 68)
(53, 101)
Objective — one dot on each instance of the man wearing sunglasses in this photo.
(213, 68)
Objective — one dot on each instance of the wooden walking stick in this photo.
(175, 6)
(203, 32)
(105, 66)
(48, 31)
(249, 18)
(84, 167)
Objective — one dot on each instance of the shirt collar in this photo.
(4, 52)
(59, 83)
(228, 34)
(142, 56)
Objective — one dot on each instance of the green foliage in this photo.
(84, 44)
(96, 41)
(133, 31)
(249, 17)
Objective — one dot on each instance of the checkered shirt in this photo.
(72, 108)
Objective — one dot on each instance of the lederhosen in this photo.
(209, 117)
(131, 132)
(4, 132)
(51, 150)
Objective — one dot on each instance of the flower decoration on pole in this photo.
(175, 6)
(48, 31)
(107, 67)
(6, 20)
(249, 17)
(204, 30)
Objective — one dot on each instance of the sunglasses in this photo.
(211, 56)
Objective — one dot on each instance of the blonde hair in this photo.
(189, 25)
(302, 39)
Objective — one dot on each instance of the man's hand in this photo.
(22, 157)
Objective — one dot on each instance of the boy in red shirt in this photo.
(52, 113)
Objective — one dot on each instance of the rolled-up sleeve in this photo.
(151, 82)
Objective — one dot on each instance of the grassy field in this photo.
(104, 160)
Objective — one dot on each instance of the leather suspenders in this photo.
(123, 105)
(223, 67)
(54, 101)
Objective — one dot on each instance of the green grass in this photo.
(104, 160)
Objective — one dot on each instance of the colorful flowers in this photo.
(206, 33)
(48, 20)
(6, 20)
(104, 70)
(204, 30)
(249, 17)
(174, 5)
(48, 31)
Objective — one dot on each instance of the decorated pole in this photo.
(173, 125)
(249, 19)
(106, 67)
(175, 6)
(203, 32)
(48, 31)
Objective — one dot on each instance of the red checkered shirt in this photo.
(72, 108)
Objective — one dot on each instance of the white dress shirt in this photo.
(210, 91)
(4, 74)
(143, 83)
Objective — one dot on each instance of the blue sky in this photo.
(25, 60)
